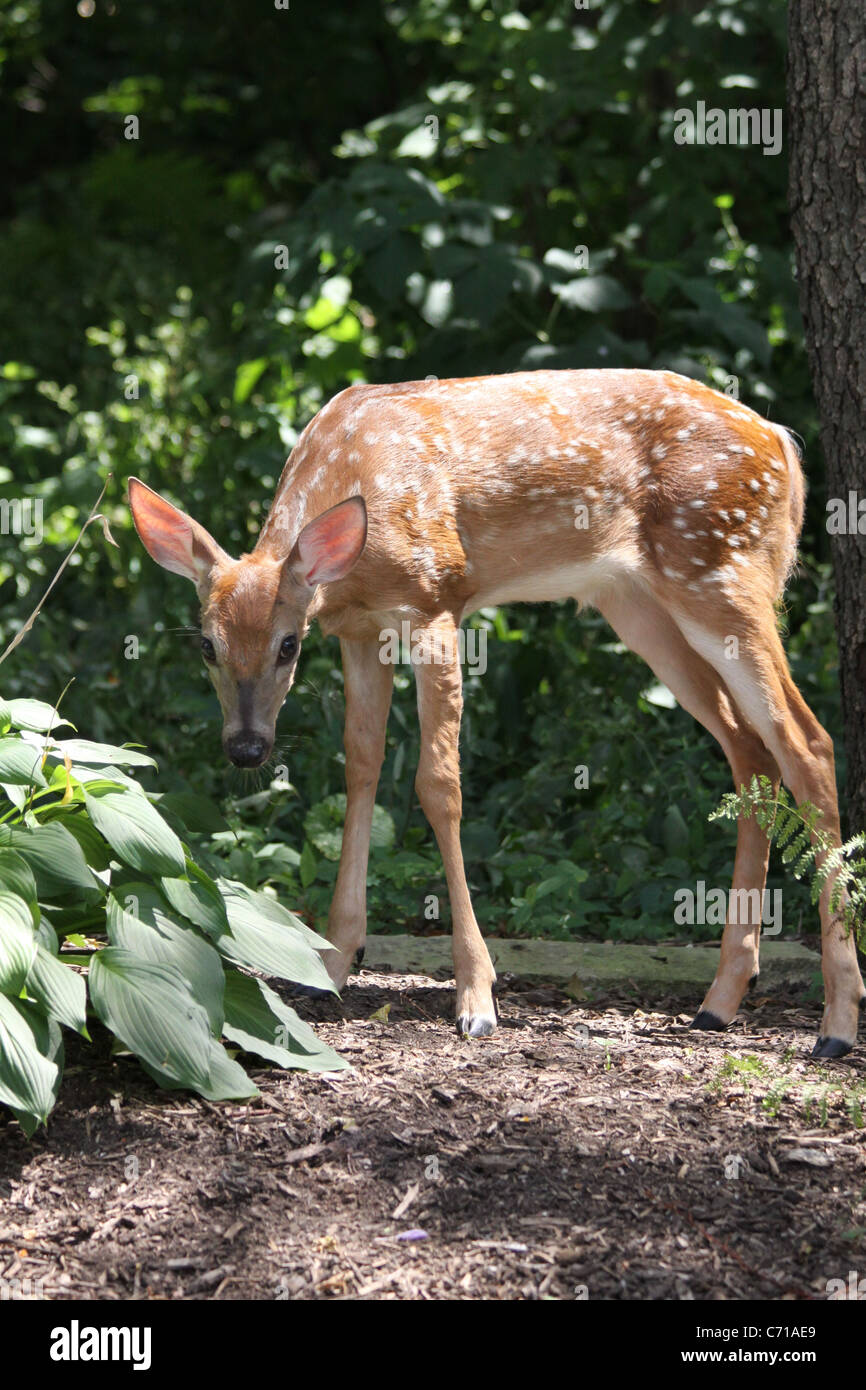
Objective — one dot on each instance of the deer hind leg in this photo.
(762, 686)
(368, 685)
(648, 629)
(440, 702)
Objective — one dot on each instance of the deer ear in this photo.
(328, 547)
(171, 537)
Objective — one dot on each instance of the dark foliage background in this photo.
(432, 170)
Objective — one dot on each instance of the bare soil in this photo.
(587, 1150)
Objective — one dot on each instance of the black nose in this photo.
(247, 750)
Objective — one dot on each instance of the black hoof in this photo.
(475, 1025)
(707, 1022)
(296, 991)
(831, 1047)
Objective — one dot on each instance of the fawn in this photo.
(672, 509)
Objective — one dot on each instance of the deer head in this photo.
(253, 610)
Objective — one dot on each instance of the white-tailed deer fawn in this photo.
(669, 507)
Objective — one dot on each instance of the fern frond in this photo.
(795, 830)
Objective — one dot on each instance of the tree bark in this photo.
(827, 192)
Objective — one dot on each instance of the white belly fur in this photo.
(583, 580)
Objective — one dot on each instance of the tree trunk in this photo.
(827, 189)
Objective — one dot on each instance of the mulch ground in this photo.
(587, 1150)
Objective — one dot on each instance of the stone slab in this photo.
(597, 964)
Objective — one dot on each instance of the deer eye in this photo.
(207, 649)
(288, 649)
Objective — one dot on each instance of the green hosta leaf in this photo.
(102, 779)
(136, 832)
(31, 1056)
(17, 942)
(139, 921)
(20, 763)
(16, 876)
(261, 905)
(197, 898)
(35, 715)
(82, 750)
(148, 1006)
(60, 991)
(259, 942)
(258, 1021)
(17, 795)
(55, 857)
(226, 1080)
(47, 936)
(93, 846)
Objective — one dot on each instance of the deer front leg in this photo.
(440, 703)
(368, 685)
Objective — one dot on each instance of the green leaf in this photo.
(82, 750)
(594, 294)
(308, 865)
(226, 1079)
(246, 376)
(138, 920)
(35, 715)
(258, 1021)
(20, 763)
(658, 694)
(16, 876)
(731, 319)
(198, 898)
(55, 857)
(59, 990)
(18, 944)
(260, 943)
(262, 905)
(324, 828)
(420, 143)
(16, 794)
(437, 303)
(197, 813)
(47, 936)
(30, 1047)
(93, 846)
(148, 1006)
(675, 831)
(136, 832)
(97, 779)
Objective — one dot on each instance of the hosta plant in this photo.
(104, 912)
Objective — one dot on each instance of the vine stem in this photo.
(95, 515)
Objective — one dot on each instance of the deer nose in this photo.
(247, 750)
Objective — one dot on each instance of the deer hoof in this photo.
(297, 991)
(475, 1025)
(831, 1047)
(707, 1022)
